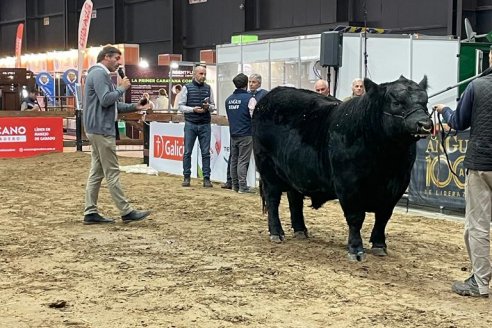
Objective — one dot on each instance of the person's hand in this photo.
(141, 107)
(198, 110)
(437, 128)
(125, 83)
(439, 108)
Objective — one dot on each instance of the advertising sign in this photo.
(46, 82)
(153, 78)
(166, 148)
(432, 182)
(70, 78)
(166, 151)
(30, 136)
(219, 157)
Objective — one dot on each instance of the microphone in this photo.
(121, 73)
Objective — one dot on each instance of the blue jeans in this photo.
(191, 132)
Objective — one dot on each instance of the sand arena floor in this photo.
(203, 259)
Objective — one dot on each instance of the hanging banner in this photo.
(47, 84)
(432, 183)
(70, 78)
(18, 44)
(84, 24)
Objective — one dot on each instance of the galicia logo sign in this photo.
(168, 147)
(13, 133)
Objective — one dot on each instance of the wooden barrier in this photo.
(52, 113)
(137, 120)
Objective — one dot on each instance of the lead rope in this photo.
(444, 135)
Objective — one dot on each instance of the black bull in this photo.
(360, 151)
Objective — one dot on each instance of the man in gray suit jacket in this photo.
(101, 109)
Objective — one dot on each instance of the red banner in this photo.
(18, 44)
(169, 147)
(30, 136)
(84, 23)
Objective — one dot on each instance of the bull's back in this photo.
(289, 141)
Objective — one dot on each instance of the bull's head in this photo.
(404, 106)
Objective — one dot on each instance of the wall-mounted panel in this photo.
(147, 21)
(12, 10)
(210, 23)
(47, 7)
(101, 31)
(290, 13)
(7, 39)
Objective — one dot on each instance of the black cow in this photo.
(360, 151)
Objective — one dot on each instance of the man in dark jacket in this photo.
(238, 114)
(196, 101)
(254, 83)
(101, 107)
(474, 111)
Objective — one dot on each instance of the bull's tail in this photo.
(262, 195)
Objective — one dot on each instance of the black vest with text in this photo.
(196, 94)
(479, 148)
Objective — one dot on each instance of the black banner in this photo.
(432, 183)
(153, 78)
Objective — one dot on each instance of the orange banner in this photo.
(18, 45)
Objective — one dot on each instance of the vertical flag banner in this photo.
(70, 78)
(47, 84)
(84, 24)
(18, 44)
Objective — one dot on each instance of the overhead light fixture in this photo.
(143, 63)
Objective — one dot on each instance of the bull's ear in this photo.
(423, 84)
(370, 86)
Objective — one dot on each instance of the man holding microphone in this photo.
(101, 108)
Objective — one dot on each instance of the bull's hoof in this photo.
(277, 238)
(357, 257)
(379, 251)
(301, 234)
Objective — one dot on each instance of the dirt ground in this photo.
(203, 259)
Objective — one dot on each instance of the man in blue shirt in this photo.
(474, 111)
(239, 116)
(254, 83)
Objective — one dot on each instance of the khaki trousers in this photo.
(478, 197)
(104, 164)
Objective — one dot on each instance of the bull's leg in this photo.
(296, 204)
(355, 246)
(378, 238)
(272, 199)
